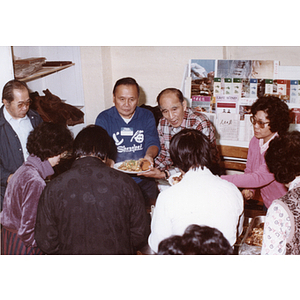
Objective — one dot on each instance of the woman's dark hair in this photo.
(205, 240)
(48, 140)
(190, 148)
(126, 81)
(10, 86)
(196, 240)
(171, 246)
(283, 157)
(92, 140)
(175, 91)
(277, 113)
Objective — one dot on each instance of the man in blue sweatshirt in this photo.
(133, 130)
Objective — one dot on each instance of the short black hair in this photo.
(277, 112)
(283, 157)
(196, 240)
(48, 140)
(126, 81)
(92, 140)
(205, 240)
(171, 246)
(10, 86)
(190, 148)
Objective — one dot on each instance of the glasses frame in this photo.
(22, 104)
(260, 123)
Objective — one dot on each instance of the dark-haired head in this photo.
(190, 148)
(48, 140)
(196, 240)
(171, 246)
(10, 86)
(126, 81)
(277, 113)
(92, 140)
(283, 157)
(205, 240)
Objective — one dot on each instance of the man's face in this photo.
(126, 99)
(172, 109)
(19, 107)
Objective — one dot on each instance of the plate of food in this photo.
(174, 179)
(133, 166)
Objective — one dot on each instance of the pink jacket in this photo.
(257, 175)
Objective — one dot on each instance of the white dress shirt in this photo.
(199, 198)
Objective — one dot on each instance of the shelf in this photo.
(45, 71)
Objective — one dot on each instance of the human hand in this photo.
(153, 173)
(149, 158)
(247, 194)
(109, 162)
(9, 177)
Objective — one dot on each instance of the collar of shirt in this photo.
(295, 183)
(264, 147)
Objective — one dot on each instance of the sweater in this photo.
(258, 176)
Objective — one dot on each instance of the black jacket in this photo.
(91, 209)
(11, 154)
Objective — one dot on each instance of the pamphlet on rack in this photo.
(227, 104)
(225, 90)
(228, 126)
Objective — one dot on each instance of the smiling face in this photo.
(19, 107)
(262, 133)
(172, 109)
(126, 99)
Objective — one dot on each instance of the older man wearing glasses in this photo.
(16, 121)
(270, 118)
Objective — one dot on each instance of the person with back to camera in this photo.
(133, 130)
(196, 240)
(270, 118)
(16, 121)
(46, 144)
(177, 116)
(91, 208)
(200, 198)
(282, 222)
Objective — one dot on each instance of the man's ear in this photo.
(184, 104)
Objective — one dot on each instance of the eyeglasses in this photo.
(260, 123)
(26, 104)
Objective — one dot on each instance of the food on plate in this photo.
(256, 236)
(135, 165)
(177, 179)
(145, 164)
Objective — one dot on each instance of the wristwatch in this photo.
(167, 175)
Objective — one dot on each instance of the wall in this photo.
(157, 67)
(154, 68)
(6, 67)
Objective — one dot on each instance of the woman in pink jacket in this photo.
(270, 118)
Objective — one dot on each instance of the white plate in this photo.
(117, 165)
(170, 179)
